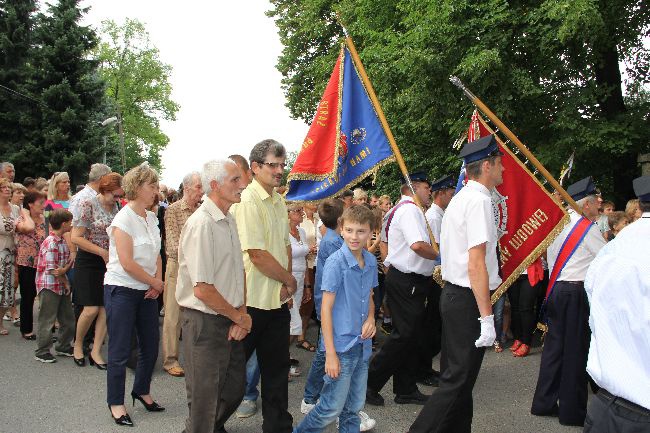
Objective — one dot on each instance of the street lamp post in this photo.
(110, 122)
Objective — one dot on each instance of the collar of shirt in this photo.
(259, 189)
(437, 209)
(330, 235)
(645, 215)
(476, 186)
(213, 210)
(406, 198)
(352, 261)
(186, 206)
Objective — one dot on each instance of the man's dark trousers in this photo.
(563, 369)
(270, 337)
(450, 407)
(429, 342)
(405, 293)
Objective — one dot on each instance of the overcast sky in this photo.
(223, 56)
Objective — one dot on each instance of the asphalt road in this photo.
(61, 397)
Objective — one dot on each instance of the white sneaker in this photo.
(294, 371)
(366, 424)
(305, 407)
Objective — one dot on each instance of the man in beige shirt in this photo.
(211, 292)
(175, 217)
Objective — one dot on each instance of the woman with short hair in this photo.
(90, 236)
(30, 233)
(18, 194)
(132, 284)
(58, 192)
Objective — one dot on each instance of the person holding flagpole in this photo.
(468, 243)
(562, 372)
(410, 263)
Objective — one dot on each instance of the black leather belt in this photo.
(623, 403)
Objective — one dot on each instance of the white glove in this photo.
(488, 333)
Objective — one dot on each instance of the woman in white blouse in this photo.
(132, 283)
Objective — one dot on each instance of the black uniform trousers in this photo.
(405, 295)
(610, 414)
(450, 407)
(563, 368)
(269, 337)
(430, 341)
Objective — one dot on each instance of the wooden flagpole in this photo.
(384, 124)
(527, 153)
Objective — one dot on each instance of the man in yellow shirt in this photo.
(264, 235)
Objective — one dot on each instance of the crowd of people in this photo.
(241, 273)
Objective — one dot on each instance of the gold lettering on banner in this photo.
(521, 235)
(504, 253)
(365, 152)
(308, 142)
(323, 114)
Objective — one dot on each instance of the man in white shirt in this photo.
(408, 282)
(442, 190)
(211, 294)
(468, 243)
(562, 373)
(618, 287)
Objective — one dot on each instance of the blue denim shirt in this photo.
(352, 286)
(329, 244)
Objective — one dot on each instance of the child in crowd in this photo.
(617, 221)
(53, 289)
(348, 325)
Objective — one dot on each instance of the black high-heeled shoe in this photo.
(91, 361)
(153, 407)
(124, 420)
(81, 362)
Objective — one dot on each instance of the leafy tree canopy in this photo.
(139, 88)
(551, 70)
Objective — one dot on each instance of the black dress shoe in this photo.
(124, 420)
(151, 407)
(416, 397)
(91, 361)
(429, 381)
(81, 362)
(373, 398)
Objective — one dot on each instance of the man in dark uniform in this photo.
(442, 190)
(468, 243)
(562, 371)
(408, 282)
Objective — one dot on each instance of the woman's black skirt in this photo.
(88, 284)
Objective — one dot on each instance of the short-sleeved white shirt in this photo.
(146, 247)
(468, 222)
(407, 227)
(434, 217)
(576, 267)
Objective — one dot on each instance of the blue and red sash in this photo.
(570, 245)
(392, 214)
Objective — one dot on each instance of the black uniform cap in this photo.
(641, 187)
(443, 182)
(477, 150)
(582, 188)
(418, 176)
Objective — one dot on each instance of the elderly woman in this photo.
(30, 230)
(132, 284)
(90, 236)
(10, 214)
(58, 192)
(17, 194)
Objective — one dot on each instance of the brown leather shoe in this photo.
(176, 371)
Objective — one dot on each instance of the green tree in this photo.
(139, 88)
(16, 26)
(550, 70)
(66, 135)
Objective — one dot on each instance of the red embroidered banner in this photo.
(528, 218)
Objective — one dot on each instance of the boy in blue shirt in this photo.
(348, 325)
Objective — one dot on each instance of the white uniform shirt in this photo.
(146, 247)
(468, 222)
(618, 287)
(434, 218)
(407, 227)
(576, 267)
